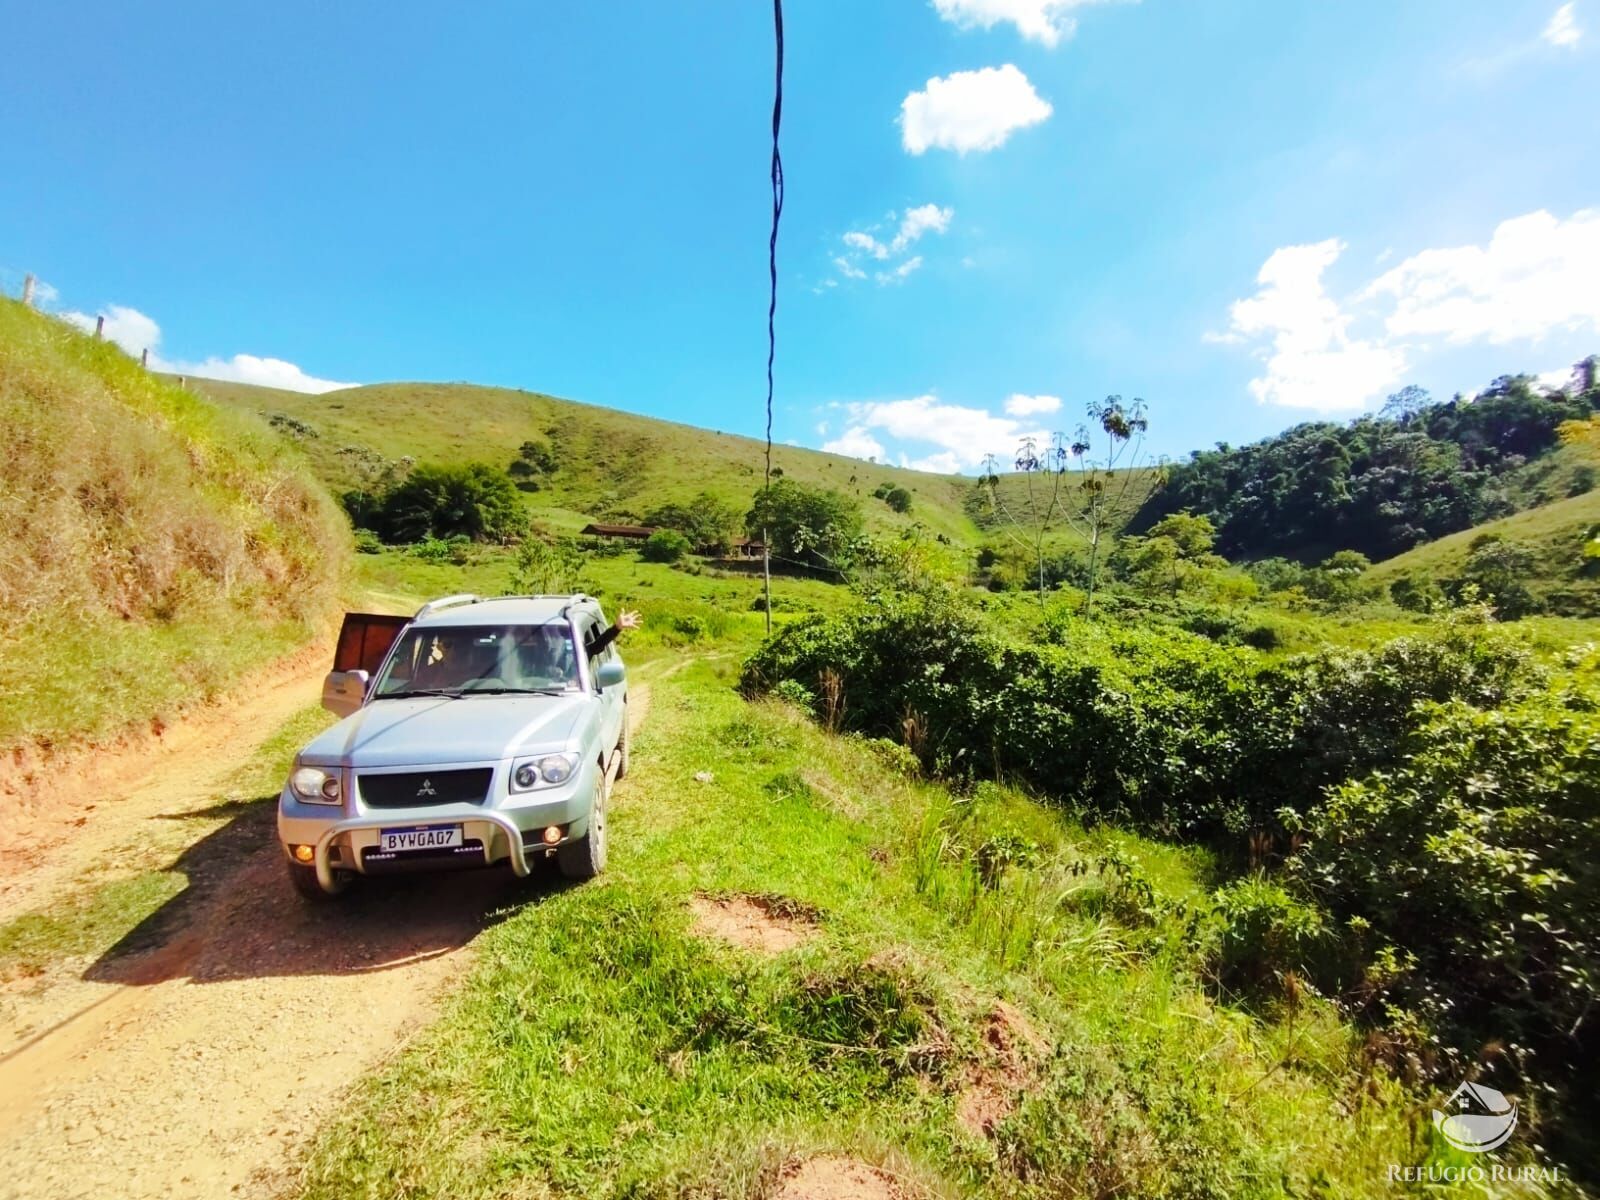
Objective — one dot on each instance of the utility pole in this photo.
(99, 326)
(28, 284)
(766, 576)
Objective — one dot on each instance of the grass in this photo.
(601, 1047)
(1562, 580)
(118, 894)
(153, 545)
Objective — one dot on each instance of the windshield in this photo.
(481, 658)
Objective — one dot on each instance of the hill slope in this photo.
(153, 545)
(610, 464)
(1562, 581)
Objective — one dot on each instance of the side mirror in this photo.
(344, 691)
(610, 674)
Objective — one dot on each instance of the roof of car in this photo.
(501, 610)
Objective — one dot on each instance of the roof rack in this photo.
(446, 602)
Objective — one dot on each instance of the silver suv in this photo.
(478, 731)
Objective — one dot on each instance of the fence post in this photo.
(28, 283)
(144, 357)
(99, 325)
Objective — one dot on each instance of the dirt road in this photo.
(195, 1060)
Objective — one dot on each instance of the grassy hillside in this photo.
(1562, 580)
(612, 464)
(152, 544)
(1034, 1028)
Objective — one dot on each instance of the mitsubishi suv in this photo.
(478, 731)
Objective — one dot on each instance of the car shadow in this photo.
(238, 916)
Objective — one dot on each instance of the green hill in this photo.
(611, 465)
(1561, 580)
(153, 545)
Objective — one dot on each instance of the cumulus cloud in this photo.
(1533, 277)
(1563, 27)
(970, 110)
(1018, 405)
(876, 246)
(1046, 21)
(856, 442)
(959, 436)
(137, 333)
(1536, 275)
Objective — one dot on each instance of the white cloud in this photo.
(964, 435)
(1303, 334)
(1536, 275)
(1563, 27)
(946, 462)
(928, 218)
(970, 110)
(1533, 278)
(1018, 405)
(899, 273)
(864, 247)
(136, 333)
(866, 243)
(1046, 21)
(856, 442)
(1559, 379)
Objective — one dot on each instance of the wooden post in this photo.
(28, 284)
(144, 357)
(99, 325)
(766, 576)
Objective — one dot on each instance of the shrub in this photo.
(1264, 933)
(474, 500)
(898, 499)
(664, 546)
(367, 542)
(793, 692)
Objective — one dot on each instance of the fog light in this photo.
(304, 854)
(552, 834)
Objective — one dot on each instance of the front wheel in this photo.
(305, 882)
(586, 857)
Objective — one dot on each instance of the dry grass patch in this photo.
(761, 923)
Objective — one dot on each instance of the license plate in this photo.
(419, 837)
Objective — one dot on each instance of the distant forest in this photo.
(1382, 483)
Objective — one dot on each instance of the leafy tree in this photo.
(707, 521)
(664, 546)
(548, 568)
(898, 499)
(811, 525)
(472, 500)
(1340, 579)
(1497, 569)
(1175, 551)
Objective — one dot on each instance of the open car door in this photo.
(364, 639)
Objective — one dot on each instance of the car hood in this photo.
(426, 730)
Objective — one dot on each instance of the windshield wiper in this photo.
(447, 693)
(513, 691)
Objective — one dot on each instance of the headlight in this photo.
(547, 771)
(315, 785)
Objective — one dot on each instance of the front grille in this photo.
(421, 789)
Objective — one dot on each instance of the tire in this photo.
(305, 882)
(624, 742)
(586, 857)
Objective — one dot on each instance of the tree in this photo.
(1407, 403)
(1498, 569)
(1176, 549)
(898, 499)
(1341, 579)
(547, 568)
(1104, 477)
(664, 546)
(810, 525)
(708, 521)
(473, 500)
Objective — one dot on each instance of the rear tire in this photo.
(586, 857)
(305, 882)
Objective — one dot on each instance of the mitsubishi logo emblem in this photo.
(427, 788)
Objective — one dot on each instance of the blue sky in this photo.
(1248, 214)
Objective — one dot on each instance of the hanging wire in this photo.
(777, 214)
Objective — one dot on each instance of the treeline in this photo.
(1382, 483)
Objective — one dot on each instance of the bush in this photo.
(664, 546)
(793, 692)
(474, 501)
(898, 499)
(1264, 933)
(1480, 854)
(367, 542)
